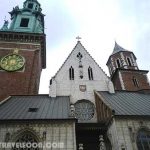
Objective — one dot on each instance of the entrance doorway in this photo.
(88, 137)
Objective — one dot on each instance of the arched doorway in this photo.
(89, 136)
(28, 141)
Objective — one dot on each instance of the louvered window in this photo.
(118, 63)
(129, 61)
(135, 82)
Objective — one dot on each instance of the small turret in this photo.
(121, 58)
(33, 5)
(124, 71)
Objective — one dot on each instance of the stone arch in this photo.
(26, 136)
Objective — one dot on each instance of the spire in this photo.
(118, 48)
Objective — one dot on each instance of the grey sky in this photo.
(98, 22)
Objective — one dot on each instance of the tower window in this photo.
(90, 73)
(135, 82)
(129, 61)
(30, 5)
(71, 73)
(24, 22)
(36, 7)
(118, 63)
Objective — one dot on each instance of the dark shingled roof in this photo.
(118, 48)
(128, 103)
(35, 107)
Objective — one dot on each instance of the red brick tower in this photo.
(22, 51)
(124, 71)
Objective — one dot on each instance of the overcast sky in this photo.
(98, 22)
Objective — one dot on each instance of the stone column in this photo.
(101, 143)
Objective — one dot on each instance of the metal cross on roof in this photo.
(78, 38)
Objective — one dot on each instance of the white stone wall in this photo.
(63, 86)
(58, 131)
(123, 133)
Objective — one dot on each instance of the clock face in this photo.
(84, 110)
(12, 62)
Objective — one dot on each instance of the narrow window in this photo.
(90, 73)
(129, 61)
(51, 82)
(118, 63)
(135, 82)
(71, 73)
(30, 5)
(24, 22)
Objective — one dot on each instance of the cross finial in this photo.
(78, 38)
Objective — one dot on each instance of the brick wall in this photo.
(25, 81)
(127, 80)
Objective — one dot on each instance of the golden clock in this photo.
(12, 62)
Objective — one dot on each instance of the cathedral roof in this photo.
(40, 107)
(128, 103)
(118, 48)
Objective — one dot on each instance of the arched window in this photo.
(143, 140)
(71, 73)
(26, 137)
(90, 73)
(118, 63)
(129, 61)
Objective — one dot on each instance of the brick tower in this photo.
(22, 51)
(124, 71)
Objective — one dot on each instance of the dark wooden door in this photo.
(89, 139)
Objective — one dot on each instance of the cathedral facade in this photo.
(84, 110)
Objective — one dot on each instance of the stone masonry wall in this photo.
(123, 132)
(58, 131)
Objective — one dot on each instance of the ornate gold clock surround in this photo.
(12, 62)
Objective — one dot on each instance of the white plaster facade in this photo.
(63, 86)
